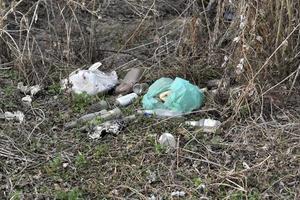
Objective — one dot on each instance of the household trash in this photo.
(168, 141)
(98, 106)
(33, 90)
(132, 77)
(160, 113)
(140, 88)
(27, 100)
(163, 96)
(152, 197)
(126, 100)
(16, 116)
(110, 127)
(207, 125)
(178, 194)
(91, 81)
(104, 115)
(178, 95)
(204, 90)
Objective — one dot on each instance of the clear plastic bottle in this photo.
(162, 113)
(208, 125)
(126, 100)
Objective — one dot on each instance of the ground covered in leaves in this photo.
(254, 158)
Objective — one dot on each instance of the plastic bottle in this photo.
(161, 113)
(126, 100)
(140, 88)
(168, 140)
(208, 125)
(132, 77)
(104, 114)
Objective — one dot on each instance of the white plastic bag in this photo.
(91, 81)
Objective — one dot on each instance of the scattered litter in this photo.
(259, 38)
(236, 39)
(243, 21)
(17, 116)
(204, 90)
(104, 115)
(182, 96)
(167, 140)
(33, 90)
(27, 100)
(110, 127)
(127, 99)
(178, 194)
(208, 125)
(96, 107)
(163, 96)
(152, 177)
(65, 165)
(245, 165)
(160, 113)
(132, 77)
(91, 81)
(140, 88)
(240, 67)
(152, 197)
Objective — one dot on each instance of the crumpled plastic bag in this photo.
(91, 81)
(183, 97)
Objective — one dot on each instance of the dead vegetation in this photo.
(253, 46)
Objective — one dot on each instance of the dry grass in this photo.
(254, 156)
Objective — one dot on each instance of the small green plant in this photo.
(73, 194)
(197, 182)
(80, 160)
(159, 149)
(54, 89)
(98, 120)
(101, 150)
(8, 90)
(81, 101)
(254, 195)
(237, 195)
(15, 195)
(54, 165)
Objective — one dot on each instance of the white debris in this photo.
(17, 116)
(240, 67)
(27, 100)
(236, 39)
(106, 128)
(167, 140)
(259, 38)
(33, 90)
(65, 165)
(23, 88)
(207, 125)
(243, 22)
(152, 197)
(178, 194)
(91, 81)
(245, 165)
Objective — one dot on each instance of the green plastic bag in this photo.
(184, 96)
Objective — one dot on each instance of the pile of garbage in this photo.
(165, 98)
